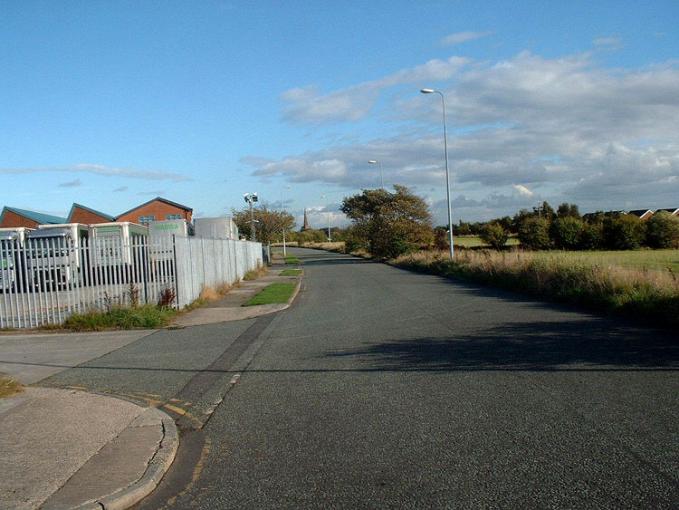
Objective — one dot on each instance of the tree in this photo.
(269, 224)
(592, 236)
(568, 210)
(566, 232)
(623, 232)
(390, 223)
(545, 210)
(662, 230)
(534, 233)
(495, 235)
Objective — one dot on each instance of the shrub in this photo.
(566, 232)
(592, 236)
(145, 316)
(624, 232)
(495, 235)
(662, 230)
(534, 233)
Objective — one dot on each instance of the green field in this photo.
(475, 241)
(636, 259)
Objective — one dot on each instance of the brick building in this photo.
(13, 217)
(156, 210)
(81, 214)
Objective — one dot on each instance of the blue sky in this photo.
(111, 103)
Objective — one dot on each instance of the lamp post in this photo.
(377, 162)
(445, 151)
(287, 188)
(251, 198)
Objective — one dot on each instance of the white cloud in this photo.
(609, 43)
(308, 104)
(71, 184)
(97, 169)
(460, 37)
(564, 128)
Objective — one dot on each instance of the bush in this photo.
(495, 235)
(534, 233)
(566, 232)
(592, 236)
(662, 230)
(624, 232)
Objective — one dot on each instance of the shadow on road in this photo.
(529, 346)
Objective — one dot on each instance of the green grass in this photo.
(146, 316)
(8, 386)
(476, 242)
(291, 260)
(291, 272)
(274, 293)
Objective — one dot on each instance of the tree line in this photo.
(390, 223)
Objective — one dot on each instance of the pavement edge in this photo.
(158, 465)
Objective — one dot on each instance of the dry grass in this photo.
(255, 273)
(640, 293)
(9, 386)
(337, 246)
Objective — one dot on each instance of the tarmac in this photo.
(67, 448)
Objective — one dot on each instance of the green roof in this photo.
(41, 218)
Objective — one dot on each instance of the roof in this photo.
(670, 210)
(640, 212)
(41, 218)
(161, 199)
(93, 211)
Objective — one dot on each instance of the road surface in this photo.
(382, 388)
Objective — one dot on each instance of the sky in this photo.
(110, 104)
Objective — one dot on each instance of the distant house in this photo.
(673, 212)
(157, 209)
(81, 214)
(642, 214)
(14, 217)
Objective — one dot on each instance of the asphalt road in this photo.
(381, 388)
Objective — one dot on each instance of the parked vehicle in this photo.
(12, 267)
(161, 247)
(56, 258)
(216, 228)
(117, 248)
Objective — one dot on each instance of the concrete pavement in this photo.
(64, 449)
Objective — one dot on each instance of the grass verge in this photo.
(145, 316)
(253, 274)
(291, 272)
(9, 386)
(272, 294)
(648, 296)
(291, 260)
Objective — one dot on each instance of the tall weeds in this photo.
(644, 294)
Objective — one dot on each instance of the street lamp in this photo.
(445, 151)
(251, 198)
(376, 162)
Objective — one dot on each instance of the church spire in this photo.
(306, 225)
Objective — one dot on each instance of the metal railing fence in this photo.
(45, 280)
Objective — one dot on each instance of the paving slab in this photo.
(49, 435)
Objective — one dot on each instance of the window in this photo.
(146, 219)
(173, 217)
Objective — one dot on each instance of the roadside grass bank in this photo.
(291, 272)
(275, 293)
(290, 259)
(644, 295)
(144, 316)
(9, 386)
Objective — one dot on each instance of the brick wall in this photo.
(87, 217)
(159, 210)
(11, 219)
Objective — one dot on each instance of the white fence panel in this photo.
(46, 280)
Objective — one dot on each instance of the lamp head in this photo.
(373, 161)
(427, 91)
